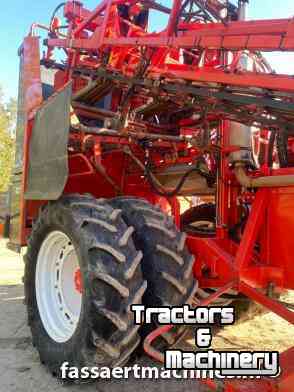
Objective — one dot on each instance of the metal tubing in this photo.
(261, 182)
(127, 134)
(101, 113)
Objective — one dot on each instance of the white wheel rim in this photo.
(59, 298)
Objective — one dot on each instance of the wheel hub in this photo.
(78, 281)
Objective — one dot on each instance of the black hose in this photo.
(282, 147)
(237, 230)
(281, 140)
(55, 12)
(271, 145)
(178, 188)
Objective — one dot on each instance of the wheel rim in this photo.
(58, 286)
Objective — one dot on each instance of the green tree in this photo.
(7, 140)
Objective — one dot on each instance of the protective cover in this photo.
(48, 160)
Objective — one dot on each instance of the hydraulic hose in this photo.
(177, 189)
(155, 184)
(55, 12)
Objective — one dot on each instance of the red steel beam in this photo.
(245, 79)
(173, 17)
(252, 228)
(276, 34)
(269, 303)
(273, 82)
(272, 35)
(72, 11)
(91, 17)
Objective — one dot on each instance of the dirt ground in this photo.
(21, 371)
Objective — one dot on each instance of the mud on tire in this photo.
(105, 334)
(167, 264)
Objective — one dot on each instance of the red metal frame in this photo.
(93, 36)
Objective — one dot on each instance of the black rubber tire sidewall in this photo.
(60, 352)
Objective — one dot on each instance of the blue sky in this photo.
(17, 16)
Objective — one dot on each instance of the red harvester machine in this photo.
(116, 124)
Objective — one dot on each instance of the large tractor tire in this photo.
(167, 265)
(200, 221)
(82, 273)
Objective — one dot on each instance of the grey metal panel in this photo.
(48, 159)
(47, 78)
